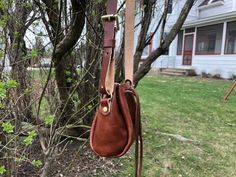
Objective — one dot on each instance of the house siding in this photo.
(224, 66)
(169, 60)
(212, 11)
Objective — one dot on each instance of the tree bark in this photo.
(17, 27)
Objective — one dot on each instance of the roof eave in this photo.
(210, 20)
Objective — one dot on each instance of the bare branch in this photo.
(148, 10)
(43, 17)
(145, 68)
(74, 32)
(164, 21)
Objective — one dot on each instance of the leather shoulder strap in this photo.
(129, 39)
(108, 62)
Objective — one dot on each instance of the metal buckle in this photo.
(111, 17)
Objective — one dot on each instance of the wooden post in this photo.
(230, 91)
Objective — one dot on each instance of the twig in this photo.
(47, 159)
(177, 137)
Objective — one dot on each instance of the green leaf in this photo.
(11, 84)
(2, 106)
(2, 170)
(34, 53)
(68, 73)
(69, 80)
(29, 139)
(3, 20)
(1, 54)
(2, 90)
(16, 34)
(2, 5)
(37, 163)
(8, 127)
(19, 159)
(49, 120)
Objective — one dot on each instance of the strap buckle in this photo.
(111, 17)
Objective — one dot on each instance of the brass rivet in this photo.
(105, 109)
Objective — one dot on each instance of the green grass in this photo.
(192, 108)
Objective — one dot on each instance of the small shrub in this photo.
(233, 77)
(205, 75)
(216, 76)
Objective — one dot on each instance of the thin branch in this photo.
(164, 21)
(155, 31)
(45, 22)
(31, 20)
(121, 6)
(53, 53)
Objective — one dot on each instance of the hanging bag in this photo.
(116, 125)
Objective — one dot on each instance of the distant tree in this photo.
(17, 24)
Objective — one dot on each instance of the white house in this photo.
(207, 41)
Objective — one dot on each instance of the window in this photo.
(230, 45)
(180, 43)
(209, 39)
(164, 38)
(208, 2)
(145, 51)
(170, 7)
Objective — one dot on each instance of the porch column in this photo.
(223, 38)
(194, 42)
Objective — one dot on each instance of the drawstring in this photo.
(138, 139)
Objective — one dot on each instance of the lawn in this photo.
(191, 107)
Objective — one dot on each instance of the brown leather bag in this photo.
(113, 130)
(116, 124)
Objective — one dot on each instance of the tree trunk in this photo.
(19, 63)
(64, 45)
(89, 87)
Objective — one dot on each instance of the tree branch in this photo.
(43, 17)
(146, 21)
(164, 21)
(145, 68)
(75, 30)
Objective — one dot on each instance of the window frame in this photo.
(170, 7)
(178, 43)
(196, 42)
(226, 39)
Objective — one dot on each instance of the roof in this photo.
(206, 2)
